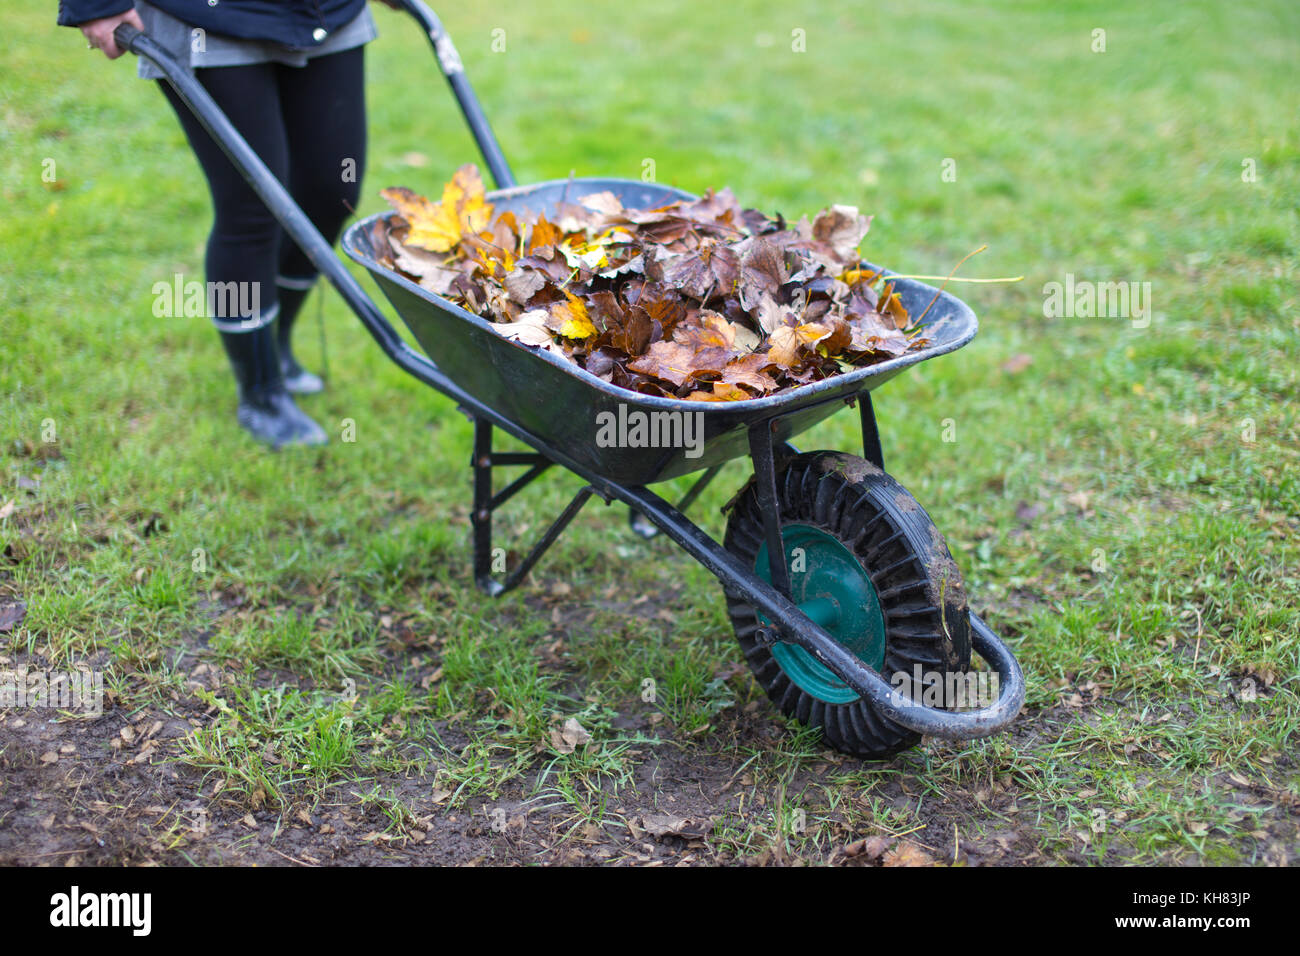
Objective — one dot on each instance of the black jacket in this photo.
(291, 22)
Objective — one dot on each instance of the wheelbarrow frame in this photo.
(766, 451)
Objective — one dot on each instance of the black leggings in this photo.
(308, 124)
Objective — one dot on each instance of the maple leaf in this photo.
(670, 361)
(439, 226)
(710, 269)
(748, 370)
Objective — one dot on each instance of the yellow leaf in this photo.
(730, 393)
(438, 227)
(811, 333)
(570, 318)
(852, 277)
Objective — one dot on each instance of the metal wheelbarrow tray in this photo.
(542, 392)
(842, 593)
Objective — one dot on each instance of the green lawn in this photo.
(1123, 501)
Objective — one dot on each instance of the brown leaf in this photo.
(660, 825)
(710, 270)
(671, 361)
(907, 854)
(569, 736)
(748, 370)
(842, 228)
(11, 615)
(892, 305)
(784, 346)
(762, 271)
(522, 283)
(1017, 363)
(869, 848)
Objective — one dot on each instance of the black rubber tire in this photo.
(927, 621)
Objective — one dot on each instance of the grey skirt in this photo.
(199, 48)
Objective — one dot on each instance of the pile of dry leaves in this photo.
(698, 300)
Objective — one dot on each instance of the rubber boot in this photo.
(296, 379)
(266, 409)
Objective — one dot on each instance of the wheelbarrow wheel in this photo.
(868, 565)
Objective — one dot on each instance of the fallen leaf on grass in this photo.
(666, 824)
(1017, 363)
(868, 848)
(568, 737)
(11, 615)
(907, 854)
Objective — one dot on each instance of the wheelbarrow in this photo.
(843, 596)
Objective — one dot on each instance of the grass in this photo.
(1123, 501)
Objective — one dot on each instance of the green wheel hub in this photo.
(831, 586)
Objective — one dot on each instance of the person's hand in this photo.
(99, 33)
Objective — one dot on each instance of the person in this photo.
(290, 75)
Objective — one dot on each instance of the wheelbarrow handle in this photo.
(124, 36)
(449, 59)
(454, 70)
(280, 204)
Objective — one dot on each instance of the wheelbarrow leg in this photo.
(870, 432)
(489, 566)
(482, 516)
